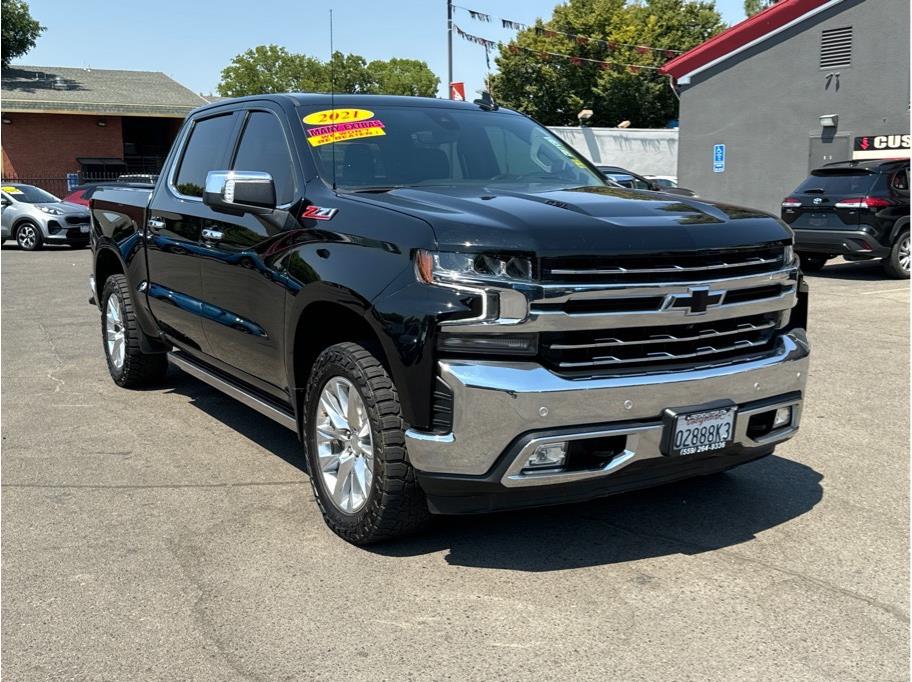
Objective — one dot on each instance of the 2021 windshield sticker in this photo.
(340, 125)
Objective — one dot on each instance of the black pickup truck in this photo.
(451, 308)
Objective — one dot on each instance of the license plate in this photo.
(84, 229)
(698, 432)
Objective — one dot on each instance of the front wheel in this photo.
(355, 441)
(128, 365)
(897, 263)
(28, 237)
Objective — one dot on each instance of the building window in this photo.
(836, 48)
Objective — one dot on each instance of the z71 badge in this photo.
(319, 213)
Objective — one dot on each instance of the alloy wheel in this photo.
(345, 445)
(904, 255)
(115, 336)
(27, 237)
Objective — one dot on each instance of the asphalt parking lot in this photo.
(171, 533)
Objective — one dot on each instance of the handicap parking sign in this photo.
(718, 158)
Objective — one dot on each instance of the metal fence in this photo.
(60, 186)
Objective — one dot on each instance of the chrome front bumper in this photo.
(496, 402)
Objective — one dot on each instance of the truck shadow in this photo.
(690, 517)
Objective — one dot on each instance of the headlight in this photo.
(453, 267)
(788, 255)
(50, 210)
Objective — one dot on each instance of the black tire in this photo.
(395, 505)
(28, 236)
(137, 369)
(813, 262)
(899, 254)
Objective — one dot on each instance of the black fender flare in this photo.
(898, 227)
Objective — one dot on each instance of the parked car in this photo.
(452, 308)
(855, 209)
(81, 194)
(631, 180)
(34, 217)
(663, 181)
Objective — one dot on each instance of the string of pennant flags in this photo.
(579, 39)
(489, 45)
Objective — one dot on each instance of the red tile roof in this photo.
(718, 47)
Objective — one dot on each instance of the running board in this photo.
(284, 418)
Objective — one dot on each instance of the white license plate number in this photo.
(703, 431)
(84, 229)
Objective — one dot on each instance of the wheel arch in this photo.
(898, 227)
(107, 263)
(321, 324)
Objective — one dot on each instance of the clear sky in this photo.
(192, 41)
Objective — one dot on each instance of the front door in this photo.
(828, 149)
(244, 295)
(174, 224)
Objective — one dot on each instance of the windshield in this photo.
(837, 182)
(30, 194)
(389, 147)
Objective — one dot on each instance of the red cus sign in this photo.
(881, 146)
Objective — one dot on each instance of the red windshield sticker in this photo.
(340, 132)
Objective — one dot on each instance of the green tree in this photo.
(403, 77)
(270, 68)
(19, 30)
(751, 7)
(553, 90)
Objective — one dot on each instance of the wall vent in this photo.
(836, 48)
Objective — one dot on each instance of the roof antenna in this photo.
(332, 98)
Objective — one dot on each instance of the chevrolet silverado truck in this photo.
(454, 310)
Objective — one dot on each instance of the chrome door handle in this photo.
(210, 235)
(155, 224)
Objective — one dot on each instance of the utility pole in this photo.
(449, 47)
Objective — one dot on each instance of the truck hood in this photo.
(580, 221)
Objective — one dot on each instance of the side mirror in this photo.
(240, 192)
(4, 201)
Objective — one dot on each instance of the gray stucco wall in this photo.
(647, 151)
(764, 104)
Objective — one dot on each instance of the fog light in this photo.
(783, 417)
(548, 456)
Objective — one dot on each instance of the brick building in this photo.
(97, 123)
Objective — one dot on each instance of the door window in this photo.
(205, 151)
(263, 148)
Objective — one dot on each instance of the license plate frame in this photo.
(718, 420)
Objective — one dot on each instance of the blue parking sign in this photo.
(718, 158)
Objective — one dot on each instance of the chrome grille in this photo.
(649, 348)
(676, 267)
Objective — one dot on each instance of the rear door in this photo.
(244, 294)
(814, 205)
(174, 226)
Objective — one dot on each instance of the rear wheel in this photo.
(128, 365)
(354, 437)
(28, 236)
(897, 263)
(812, 262)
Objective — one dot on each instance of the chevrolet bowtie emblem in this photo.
(697, 300)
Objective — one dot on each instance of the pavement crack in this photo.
(894, 611)
(50, 375)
